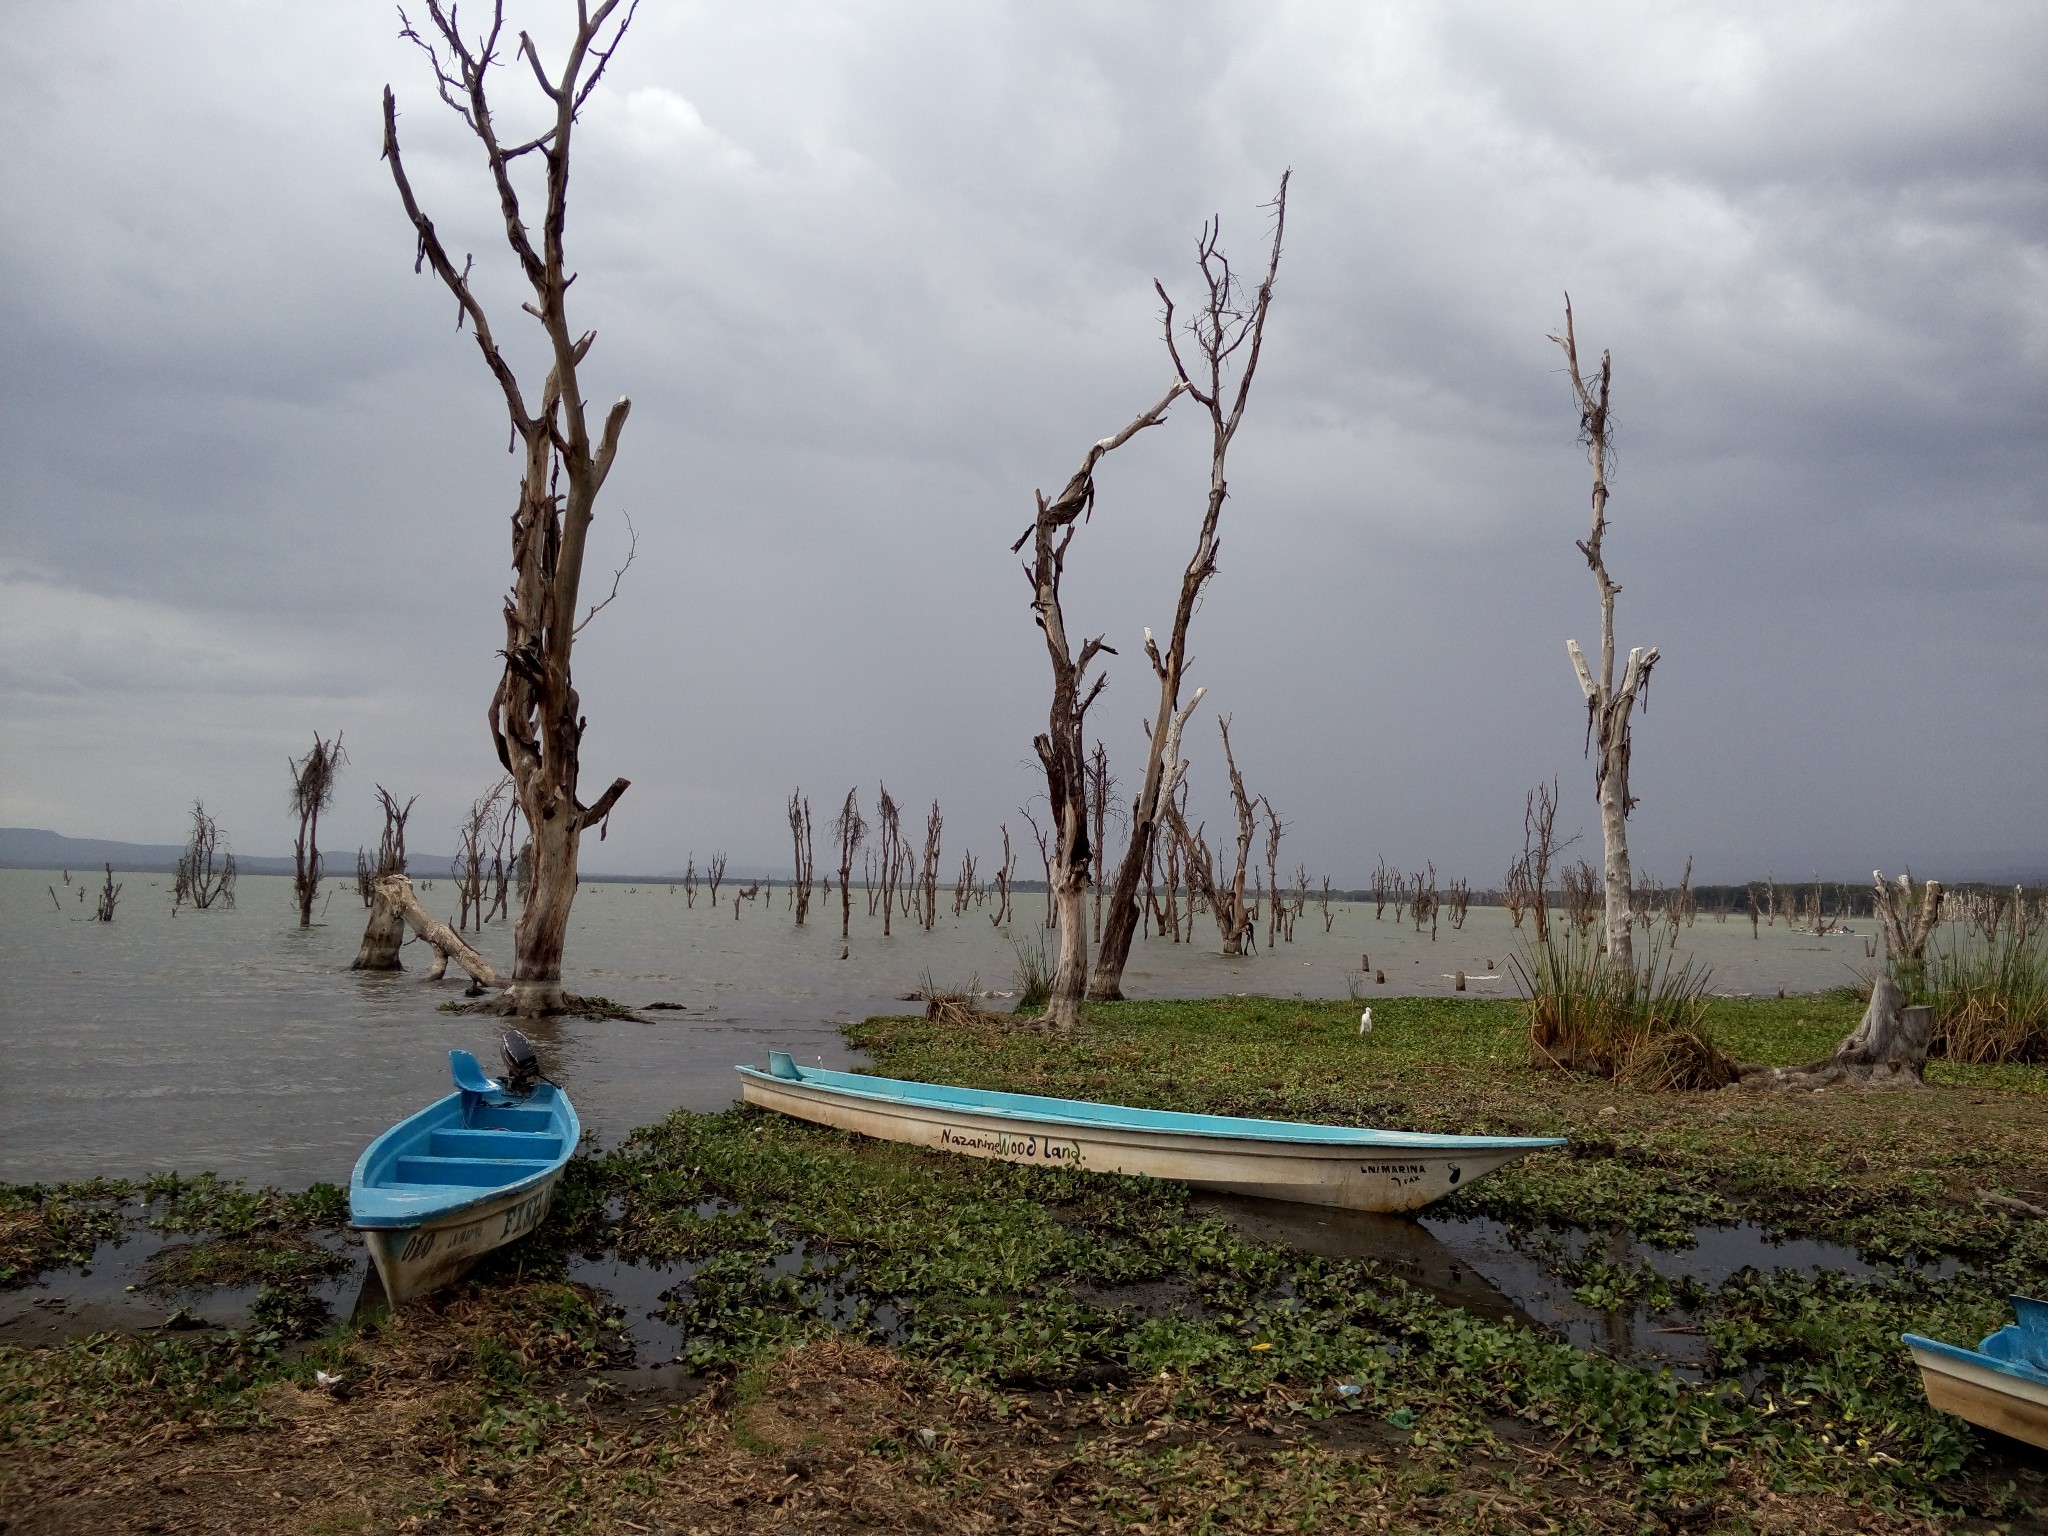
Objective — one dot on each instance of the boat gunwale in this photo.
(570, 1131)
(1206, 1127)
(1962, 1354)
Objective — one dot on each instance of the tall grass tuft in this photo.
(1645, 1028)
(1990, 996)
(1034, 972)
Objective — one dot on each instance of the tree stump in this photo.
(1888, 1049)
(382, 936)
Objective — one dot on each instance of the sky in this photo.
(871, 273)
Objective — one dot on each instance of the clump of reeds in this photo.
(1034, 972)
(1990, 996)
(1644, 1027)
(959, 1007)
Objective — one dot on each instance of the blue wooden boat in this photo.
(467, 1174)
(2002, 1384)
(1357, 1168)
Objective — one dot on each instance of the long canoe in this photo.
(467, 1174)
(1356, 1168)
(2002, 1384)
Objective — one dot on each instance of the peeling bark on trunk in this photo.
(382, 936)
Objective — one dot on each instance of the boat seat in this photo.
(509, 1117)
(470, 1172)
(469, 1074)
(492, 1143)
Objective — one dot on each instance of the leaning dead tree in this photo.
(1608, 704)
(384, 933)
(312, 792)
(1227, 324)
(536, 722)
(1060, 750)
(849, 829)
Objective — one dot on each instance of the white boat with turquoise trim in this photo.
(2002, 1384)
(467, 1174)
(1353, 1167)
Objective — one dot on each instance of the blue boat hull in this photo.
(468, 1174)
(2002, 1384)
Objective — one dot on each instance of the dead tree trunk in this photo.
(714, 876)
(1060, 749)
(396, 893)
(928, 870)
(1608, 706)
(1888, 1049)
(312, 792)
(1908, 922)
(1008, 872)
(888, 850)
(385, 930)
(1225, 323)
(848, 827)
(800, 836)
(536, 723)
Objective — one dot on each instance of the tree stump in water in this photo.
(382, 936)
(1888, 1049)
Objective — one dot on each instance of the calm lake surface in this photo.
(235, 1041)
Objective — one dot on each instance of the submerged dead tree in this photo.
(800, 838)
(1060, 749)
(385, 931)
(312, 792)
(206, 868)
(1608, 704)
(535, 717)
(1226, 323)
(849, 829)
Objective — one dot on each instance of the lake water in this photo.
(234, 1041)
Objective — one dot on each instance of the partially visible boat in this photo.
(1357, 1168)
(2002, 1384)
(467, 1174)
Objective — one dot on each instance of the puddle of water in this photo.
(114, 1293)
(1405, 1246)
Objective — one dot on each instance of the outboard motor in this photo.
(522, 1065)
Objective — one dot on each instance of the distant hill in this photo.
(35, 848)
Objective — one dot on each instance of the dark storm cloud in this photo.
(870, 274)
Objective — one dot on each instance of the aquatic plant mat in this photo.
(863, 1336)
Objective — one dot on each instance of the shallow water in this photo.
(233, 1041)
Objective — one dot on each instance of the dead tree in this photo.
(1102, 786)
(1060, 750)
(1608, 704)
(312, 792)
(1226, 324)
(505, 854)
(690, 883)
(109, 894)
(1422, 900)
(1460, 903)
(206, 868)
(800, 837)
(1583, 898)
(1887, 1049)
(714, 875)
(849, 829)
(535, 719)
(1539, 847)
(1225, 900)
(1276, 913)
(1323, 901)
(888, 852)
(1045, 858)
(1383, 886)
(1907, 921)
(1001, 915)
(385, 930)
(964, 888)
(395, 894)
(928, 870)
(471, 865)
